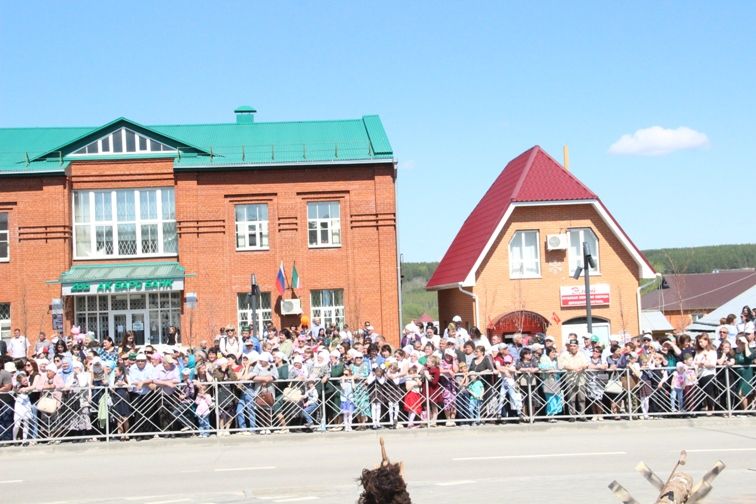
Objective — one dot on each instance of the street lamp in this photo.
(588, 263)
(254, 293)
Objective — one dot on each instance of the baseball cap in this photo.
(457, 318)
(141, 356)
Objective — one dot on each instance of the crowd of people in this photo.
(319, 377)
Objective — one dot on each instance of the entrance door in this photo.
(134, 320)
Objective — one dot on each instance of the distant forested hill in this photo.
(416, 301)
(702, 259)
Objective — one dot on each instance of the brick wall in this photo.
(364, 266)
(40, 230)
(498, 294)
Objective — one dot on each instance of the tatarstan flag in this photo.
(294, 277)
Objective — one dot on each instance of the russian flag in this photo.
(281, 279)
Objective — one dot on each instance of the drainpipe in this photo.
(398, 255)
(475, 301)
(638, 297)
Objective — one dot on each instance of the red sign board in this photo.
(575, 295)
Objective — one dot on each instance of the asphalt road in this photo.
(559, 463)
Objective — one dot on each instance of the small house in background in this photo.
(692, 296)
(511, 266)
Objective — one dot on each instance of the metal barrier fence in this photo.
(223, 408)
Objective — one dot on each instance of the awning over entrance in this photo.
(519, 321)
(83, 280)
(654, 320)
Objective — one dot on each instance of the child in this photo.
(376, 382)
(310, 402)
(393, 391)
(204, 403)
(691, 381)
(22, 412)
(347, 398)
(413, 399)
(678, 385)
(475, 389)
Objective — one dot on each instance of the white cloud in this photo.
(657, 141)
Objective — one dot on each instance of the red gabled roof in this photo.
(531, 176)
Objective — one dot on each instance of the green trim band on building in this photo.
(118, 278)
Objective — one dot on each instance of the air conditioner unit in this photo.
(556, 242)
(291, 307)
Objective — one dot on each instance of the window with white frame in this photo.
(124, 141)
(524, 255)
(328, 306)
(124, 223)
(324, 223)
(577, 237)
(4, 237)
(249, 315)
(251, 227)
(5, 321)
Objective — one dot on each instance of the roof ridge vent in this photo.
(245, 114)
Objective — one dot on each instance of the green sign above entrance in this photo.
(123, 286)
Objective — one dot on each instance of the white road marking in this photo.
(714, 450)
(543, 455)
(297, 499)
(168, 501)
(11, 481)
(229, 469)
(145, 497)
(454, 483)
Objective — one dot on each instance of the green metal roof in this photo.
(206, 146)
(121, 272)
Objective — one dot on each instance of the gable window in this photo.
(328, 306)
(4, 237)
(124, 141)
(324, 223)
(524, 255)
(5, 321)
(251, 227)
(124, 223)
(247, 316)
(577, 237)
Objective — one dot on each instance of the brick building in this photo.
(689, 297)
(510, 268)
(124, 226)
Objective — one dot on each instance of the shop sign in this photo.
(123, 286)
(574, 295)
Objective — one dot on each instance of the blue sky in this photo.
(461, 87)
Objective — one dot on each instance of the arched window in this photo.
(123, 141)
